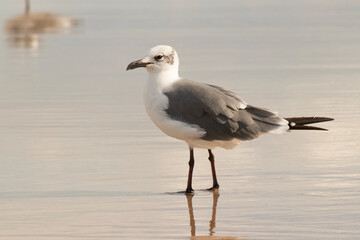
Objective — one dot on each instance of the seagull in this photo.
(203, 115)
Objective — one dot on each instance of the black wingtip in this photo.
(302, 127)
(308, 120)
(298, 123)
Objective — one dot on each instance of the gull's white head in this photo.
(159, 59)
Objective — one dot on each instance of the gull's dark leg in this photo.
(212, 162)
(191, 168)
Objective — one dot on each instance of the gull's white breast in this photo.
(156, 102)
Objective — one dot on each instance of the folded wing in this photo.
(221, 113)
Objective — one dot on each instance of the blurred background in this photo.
(80, 159)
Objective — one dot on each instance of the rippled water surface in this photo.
(79, 158)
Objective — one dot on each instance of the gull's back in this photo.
(221, 113)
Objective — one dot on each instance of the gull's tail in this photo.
(299, 123)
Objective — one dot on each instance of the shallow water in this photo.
(81, 160)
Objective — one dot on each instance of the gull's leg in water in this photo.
(189, 189)
(213, 171)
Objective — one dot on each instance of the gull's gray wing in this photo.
(221, 113)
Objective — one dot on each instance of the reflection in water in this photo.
(212, 221)
(24, 30)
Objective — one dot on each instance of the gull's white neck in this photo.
(159, 81)
(154, 99)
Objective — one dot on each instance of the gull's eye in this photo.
(159, 57)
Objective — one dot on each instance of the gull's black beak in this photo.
(137, 64)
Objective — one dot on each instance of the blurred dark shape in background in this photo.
(24, 30)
